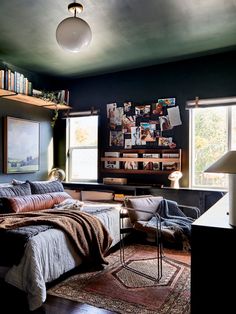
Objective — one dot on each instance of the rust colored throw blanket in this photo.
(89, 235)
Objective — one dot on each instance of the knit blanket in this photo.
(174, 223)
(89, 235)
(13, 242)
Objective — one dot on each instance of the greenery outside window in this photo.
(82, 147)
(212, 133)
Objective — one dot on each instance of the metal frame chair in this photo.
(159, 248)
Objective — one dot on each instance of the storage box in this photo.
(114, 180)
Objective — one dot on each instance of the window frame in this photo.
(69, 149)
(229, 121)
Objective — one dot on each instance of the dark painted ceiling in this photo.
(126, 33)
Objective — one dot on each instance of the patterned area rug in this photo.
(122, 291)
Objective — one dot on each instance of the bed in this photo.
(50, 253)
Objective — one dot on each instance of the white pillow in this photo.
(69, 203)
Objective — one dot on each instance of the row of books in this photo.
(15, 81)
(148, 165)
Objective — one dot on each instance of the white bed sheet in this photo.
(50, 254)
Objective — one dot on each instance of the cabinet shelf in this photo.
(31, 100)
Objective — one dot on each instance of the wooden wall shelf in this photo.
(176, 161)
(136, 171)
(31, 100)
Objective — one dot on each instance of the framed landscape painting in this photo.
(21, 145)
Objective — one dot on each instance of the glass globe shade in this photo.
(73, 34)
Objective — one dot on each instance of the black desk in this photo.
(119, 188)
(213, 262)
(202, 199)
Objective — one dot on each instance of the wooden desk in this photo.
(213, 262)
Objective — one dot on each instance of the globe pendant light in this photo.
(73, 34)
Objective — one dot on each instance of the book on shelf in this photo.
(170, 165)
(2, 79)
(151, 165)
(14, 81)
(112, 164)
(130, 164)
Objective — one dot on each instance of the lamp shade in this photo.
(226, 164)
(73, 34)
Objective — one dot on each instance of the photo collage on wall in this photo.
(132, 125)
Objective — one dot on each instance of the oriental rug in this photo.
(119, 290)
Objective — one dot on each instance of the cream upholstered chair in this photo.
(141, 209)
(169, 230)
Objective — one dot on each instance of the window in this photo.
(82, 147)
(212, 133)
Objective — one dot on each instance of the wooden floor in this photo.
(14, 301)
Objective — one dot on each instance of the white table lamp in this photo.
(227, 164)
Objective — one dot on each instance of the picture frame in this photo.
(21, 145)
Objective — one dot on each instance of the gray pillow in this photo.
(147, 203)
(46, 187)
(17, 190)
(11, 191)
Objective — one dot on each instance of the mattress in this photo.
(50, 254)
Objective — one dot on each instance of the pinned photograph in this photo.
(167, 101)
(127, 123)
(174, 116)
(157, 109)
(136, 135)
(164, 141)
(110, 108)
(116, 138)
(143, 110)
(128, 143)
(148, 133)
(115, 117)
(127, 107)
(165, 123)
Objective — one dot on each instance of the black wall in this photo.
(205, 77)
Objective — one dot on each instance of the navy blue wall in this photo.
(205, 77)
(29, 112)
